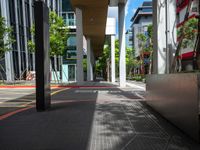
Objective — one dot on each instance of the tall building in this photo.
(19, 14)
(129, 39)
(69, 59)
(140, 21)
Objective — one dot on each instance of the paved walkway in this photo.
(12, 99)
(93, 118)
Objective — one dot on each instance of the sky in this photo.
(131, 7)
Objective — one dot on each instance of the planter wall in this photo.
(176, 97)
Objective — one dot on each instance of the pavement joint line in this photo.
(137, 94)
(72, 101)
(150, 117)
(21, 106)
(129, 142)
(136, 86)
(2, 117)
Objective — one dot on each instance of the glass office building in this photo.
(69, 58)
(19, 14)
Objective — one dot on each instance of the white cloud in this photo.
(127, 7)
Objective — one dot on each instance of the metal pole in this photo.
(167, 36)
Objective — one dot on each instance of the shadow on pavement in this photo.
(132, 124)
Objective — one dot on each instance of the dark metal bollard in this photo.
(43, 97)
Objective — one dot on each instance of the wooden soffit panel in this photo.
(94, 21)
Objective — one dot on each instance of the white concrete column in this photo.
(79, 41)
(25, 35)
(18, 39)
(113, 58)
(48, 3)
(8, 55)
(32, 37)
(161, 62)
(54, 5)
(122, 46)
(89, 61)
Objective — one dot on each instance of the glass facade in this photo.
(66, 6)
(70, 20)
(147, 10)
(21, 19)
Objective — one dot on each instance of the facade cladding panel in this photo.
(16, 10)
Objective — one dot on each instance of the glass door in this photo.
(71, 72)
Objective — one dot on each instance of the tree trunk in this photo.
(174, 63)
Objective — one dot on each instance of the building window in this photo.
(13, 22)
(15, 64)
(28, 21)
(71, 41)
(147, 10)
(21, 25)
(69, 18)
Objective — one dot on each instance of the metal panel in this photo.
(176, 97)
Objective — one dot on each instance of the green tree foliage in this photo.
(101, 65)
(130, 61)
(5, 32)
(146, 42)
(31, 44)
(6, 40)
(142, 41)
(146, 45)
(102, 62)
(150, 31)
(188, 32)
(58, 35)
(117, 57)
